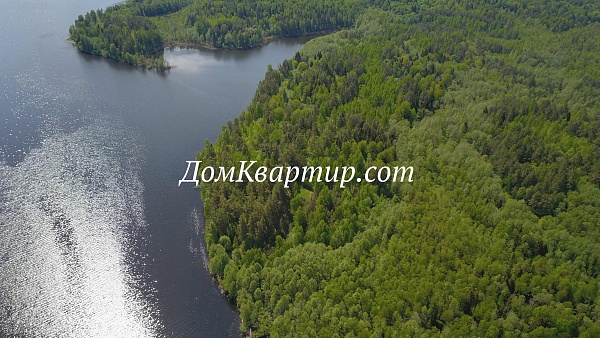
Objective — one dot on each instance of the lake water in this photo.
(96, 237)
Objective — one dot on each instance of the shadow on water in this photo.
(118, 66)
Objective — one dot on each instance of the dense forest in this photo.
(496, 106)
(119, 35)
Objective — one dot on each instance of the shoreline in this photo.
(172, 45)
(265, 41)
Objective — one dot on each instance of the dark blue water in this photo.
(96, 237)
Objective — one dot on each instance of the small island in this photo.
(119, 35)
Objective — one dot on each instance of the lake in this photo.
(96, 236)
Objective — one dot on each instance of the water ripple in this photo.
(71, 224)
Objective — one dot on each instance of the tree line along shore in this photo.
(495, 105)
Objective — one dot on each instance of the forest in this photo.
(119, 35)
(495, 105)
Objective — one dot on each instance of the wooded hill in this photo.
(496, 106)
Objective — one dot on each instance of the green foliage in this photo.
(119, 35)
(496, 107)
